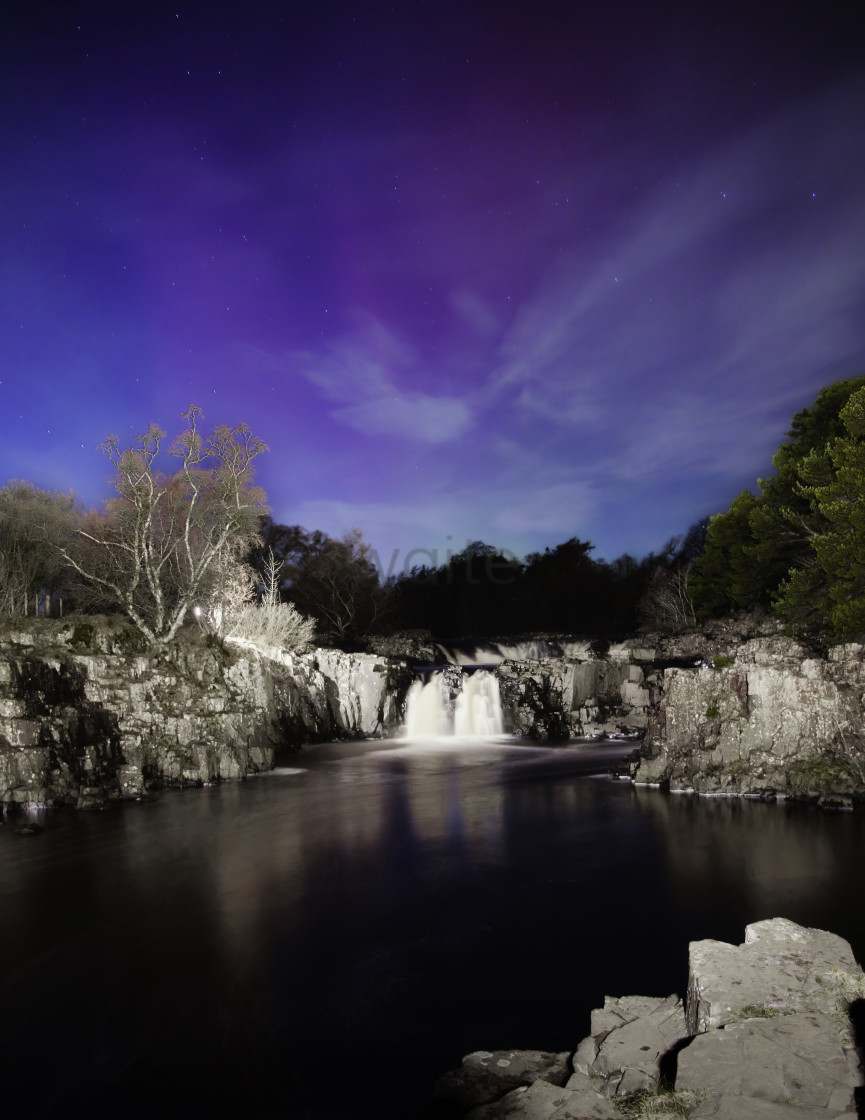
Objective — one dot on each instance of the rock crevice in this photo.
(764, 1033)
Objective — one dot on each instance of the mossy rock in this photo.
(131, 641)
(822, 773)
(82, 636)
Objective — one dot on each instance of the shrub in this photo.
(234, 614)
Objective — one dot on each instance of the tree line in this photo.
(198, 544)
(797, 546)
(165, 547)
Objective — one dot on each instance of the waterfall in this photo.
(426, 709)
(494, 653)
(476, 710)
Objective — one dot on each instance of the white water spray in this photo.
(477, 710)
(494, 653)
(426, 713)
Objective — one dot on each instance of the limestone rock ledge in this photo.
(89, 715)
(768, 720)
(587, 695)
(764, 1034)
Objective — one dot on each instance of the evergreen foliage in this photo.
(827, 593)
(727, 575)
(798, 546)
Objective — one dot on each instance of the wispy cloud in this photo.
(644, 381)
(411, 416)
(748, 261)
(446, 514)
(369, 375)
(475, 312)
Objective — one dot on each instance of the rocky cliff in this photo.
(720, 712)
(767, 719)
(88, 714)
(587, 695)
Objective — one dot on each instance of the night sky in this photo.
(509, 271)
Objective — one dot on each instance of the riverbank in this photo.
(765, 1033)
(767, 719)
(90, 715)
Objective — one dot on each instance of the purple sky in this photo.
(516, 272)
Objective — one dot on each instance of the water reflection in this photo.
(774, 859)
(377, 908)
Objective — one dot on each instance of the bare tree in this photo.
(33, 523)
(338, 584)
(153, 549)
(666, 604)
(270, 622)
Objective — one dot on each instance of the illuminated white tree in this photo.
(157, 544)
(238, 610)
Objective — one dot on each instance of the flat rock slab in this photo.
(794, 1059)
(617, 1011)
(543, 1101)
(629, 1037)
(735, 1108)
(486, 1075)
(780, 965)
(629, 1054)
(766, 1034)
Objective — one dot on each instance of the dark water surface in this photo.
(324, 941)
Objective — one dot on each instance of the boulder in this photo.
(629, 1053)
(543, 1101)
(584, 697)
(794, 1059)
(770, 1039)
(780, 966)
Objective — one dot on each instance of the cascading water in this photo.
(426, 709)
(476, 709)
(494, 653)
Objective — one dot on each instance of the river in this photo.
(324, 940)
